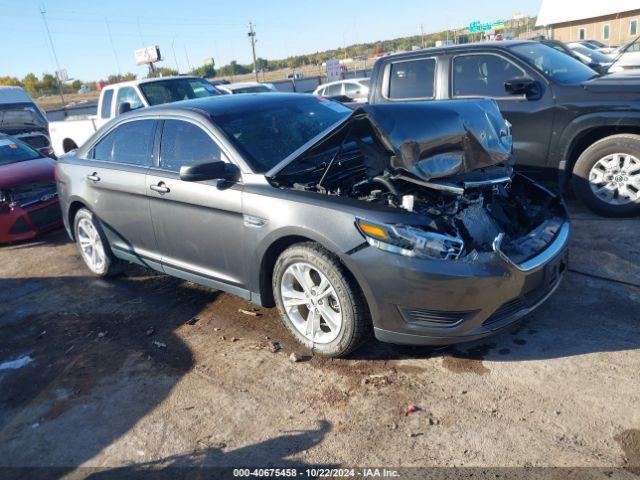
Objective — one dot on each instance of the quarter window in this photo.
(128, 94)
(351, 88)
(107, 98)
(606, 31)
(333, 90)
(130, 143)
(184, 143)
(413, 79)
(482, 75)
(633, 27)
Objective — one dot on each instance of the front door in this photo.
(484, 75)
(115, 174)
(198, 225)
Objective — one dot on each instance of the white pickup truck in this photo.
(69, 134)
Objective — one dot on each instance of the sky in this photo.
(189, 31)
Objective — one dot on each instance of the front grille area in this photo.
(435, 318)
(30, 193)
(46, 217)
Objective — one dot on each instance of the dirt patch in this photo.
(629, 441)
(464, 365)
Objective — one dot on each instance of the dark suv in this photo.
(565, 117)
(407, 218)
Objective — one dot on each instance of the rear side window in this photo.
(131, 143)
(107, 97)
(184, 143)
(483, 75)
(413, 79)
(333, 90)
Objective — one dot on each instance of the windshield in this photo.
(268, 134)
(556, 65)
(20, 115)
(255, 89)
(174, 90)
(592, 54)
(12, 151)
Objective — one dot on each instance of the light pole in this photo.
(175, 57)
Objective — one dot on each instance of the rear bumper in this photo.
(25, 223)
(430, 302)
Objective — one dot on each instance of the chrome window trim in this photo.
(386, 79)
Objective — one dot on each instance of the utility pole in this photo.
(115, 53)
(175, 57)
(43, 11)
(252, 38)
(422, 34)
(186, 54)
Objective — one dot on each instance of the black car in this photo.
(404, 220)
(566, 118)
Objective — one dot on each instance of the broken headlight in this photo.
(410, 241)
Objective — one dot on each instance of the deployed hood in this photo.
(427, 140)
(619, 82)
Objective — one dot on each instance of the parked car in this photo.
(627, 58)
(404, 219)
(69, 134)
(355, 90)
(599, 46)
(21, 118)
(566, 118)
(593, 58)
(246, 87)
(28, 198)
(562, 47)
(295, 76)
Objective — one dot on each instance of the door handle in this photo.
(160, 188)
(93, 177)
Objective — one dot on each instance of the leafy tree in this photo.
(207, 71)
(163, 72)
(10, 81)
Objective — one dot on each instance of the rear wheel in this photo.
(318, 301)
(606, 177)
(93, 245)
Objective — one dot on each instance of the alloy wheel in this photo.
(615, 179)
(91, 245)
(311, 303)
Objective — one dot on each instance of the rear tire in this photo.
(333, 318)
(93, 245)
(606, 177)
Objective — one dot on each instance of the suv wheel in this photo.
(606, 176)
(318, 301)
(93, 245)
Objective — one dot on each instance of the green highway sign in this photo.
(481, 27)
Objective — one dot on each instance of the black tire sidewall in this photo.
(617, 144)
(343, 343)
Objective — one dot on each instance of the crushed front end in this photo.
(459, 244)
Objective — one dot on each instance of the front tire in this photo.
(606, 177)
(319, 302)
(93, 245)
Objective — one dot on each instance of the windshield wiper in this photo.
(621, 52)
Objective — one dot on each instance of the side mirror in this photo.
(199, 172)
(124, 107)
(522, 86)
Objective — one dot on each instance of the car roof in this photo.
(499, 45)
(344, 80)
(232, 86)
(222, 104)
(151, 80)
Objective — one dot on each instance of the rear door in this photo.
(115, 181)
(198, 225)
(476, 74)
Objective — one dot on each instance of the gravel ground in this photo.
(151, 371)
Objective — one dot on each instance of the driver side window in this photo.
(482, 75)
(184, 143)
(128, 94)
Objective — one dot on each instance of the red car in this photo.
(28, 197)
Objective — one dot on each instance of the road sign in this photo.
(333, 70)
(475, 26)
(482, 27)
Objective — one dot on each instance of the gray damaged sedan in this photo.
(402, 219)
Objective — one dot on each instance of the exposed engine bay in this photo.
(449, 162)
